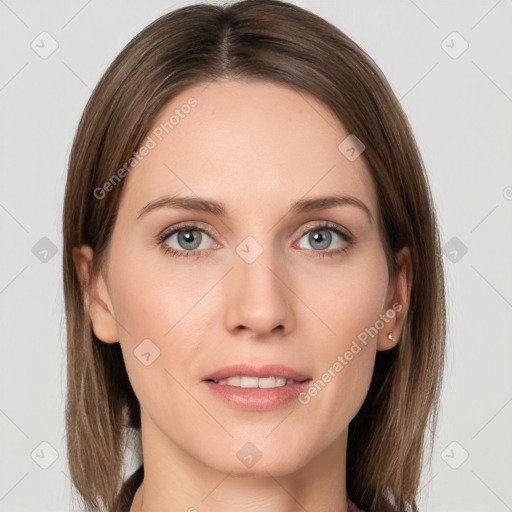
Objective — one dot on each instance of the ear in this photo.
(397, 303)
(96, 296)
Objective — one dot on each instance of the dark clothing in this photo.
(127, 492)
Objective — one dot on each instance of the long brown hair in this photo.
(274, 41)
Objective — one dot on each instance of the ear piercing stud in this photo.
(390, 336)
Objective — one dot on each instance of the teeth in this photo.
(268, 382)
(249, 382)
(255, 382)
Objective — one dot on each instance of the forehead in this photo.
(248, 144)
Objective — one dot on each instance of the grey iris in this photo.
(188, 240)
(321, 237)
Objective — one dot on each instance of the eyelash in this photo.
(160, 239)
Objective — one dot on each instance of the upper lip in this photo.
(249, 370)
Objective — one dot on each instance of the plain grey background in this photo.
(448, 63)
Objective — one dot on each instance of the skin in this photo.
(256, 147)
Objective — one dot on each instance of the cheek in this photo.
(152, 294)
(349, 297)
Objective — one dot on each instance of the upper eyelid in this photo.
(326, 225)
(182, 226)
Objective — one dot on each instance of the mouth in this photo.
(256, 388)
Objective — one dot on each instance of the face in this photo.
(247, 313)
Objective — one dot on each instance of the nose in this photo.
(258, 297)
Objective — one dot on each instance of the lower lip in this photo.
(257, 399)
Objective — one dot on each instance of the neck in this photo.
(175, 481)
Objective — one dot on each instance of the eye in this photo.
(185, 239)
(189, 240)
(324, 237)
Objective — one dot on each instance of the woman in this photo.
(252, 271)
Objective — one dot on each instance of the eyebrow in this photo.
(216, 208)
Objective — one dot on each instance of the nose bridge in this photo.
(257, 298)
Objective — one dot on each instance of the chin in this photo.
(274, 465)
(253, 455)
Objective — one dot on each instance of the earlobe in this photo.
(96, 297)
(398, 303)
